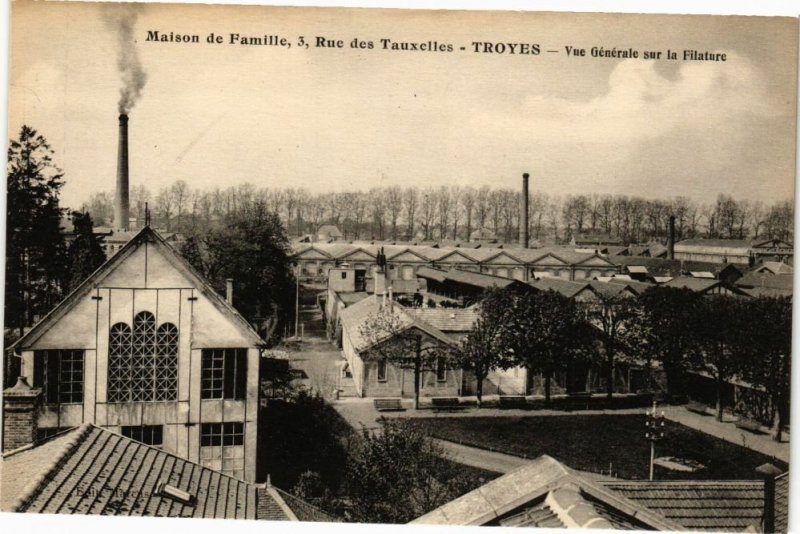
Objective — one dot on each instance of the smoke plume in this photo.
(121, 20)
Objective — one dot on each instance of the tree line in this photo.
(680, 330)
(456, 212)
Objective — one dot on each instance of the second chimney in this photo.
(20, 415)
(671, 239)
(523, 213)
(121, 204)
(229, 291)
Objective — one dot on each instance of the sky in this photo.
(336, 119)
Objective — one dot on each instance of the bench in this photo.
(445, 403)
(749, 425)
(512, 401)
(388, 405)
(578, 400)
(697, 407)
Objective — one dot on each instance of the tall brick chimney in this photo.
(671, 239)
(20, 414)
(523, 213)
(121, 203)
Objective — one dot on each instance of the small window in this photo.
(344, 275)
(382, 371)
(147, 434)
(224, 373)
(221, 434)
(441, 370)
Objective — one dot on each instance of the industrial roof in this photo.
(92, 470)
(700, 504)
(447, 319)
(546, 493)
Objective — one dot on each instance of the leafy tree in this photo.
(394, 338)
(35, 247)
(398, 474)
(612, 315)
(765, 338)
(250, 247)
(481, 350)
(718, 320)
(545, 332)
(85, 253)
(664, 330)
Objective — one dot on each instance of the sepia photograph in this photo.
(399, 266)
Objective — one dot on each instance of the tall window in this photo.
(382, 370)
(224, 374)
(60, 375)
(143, 361)
(221, 447)
(441, 370)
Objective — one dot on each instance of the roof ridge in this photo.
(68, 448)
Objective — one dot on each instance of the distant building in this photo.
(144, 347)
(328, 234)
(592, 240)
(483, 235)
(315, 260)
(734, 251)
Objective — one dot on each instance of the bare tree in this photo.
(394, 206)
(410, 201)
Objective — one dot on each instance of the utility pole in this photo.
(655, 432)
(297, 301)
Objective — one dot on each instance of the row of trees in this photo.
(547, 333)
(455, 212)
(721, 336)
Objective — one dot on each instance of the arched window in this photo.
(142, 361)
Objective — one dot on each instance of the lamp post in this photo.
(655, 432)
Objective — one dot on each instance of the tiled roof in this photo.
(545, 492)
(715, 243)
(568, 288)
(353, 317)
(695, 284)
(663, 266)
(776, 267)
(766, 280)
(700, 505)
(447, 319)
(92, 470)
(302, 510)
(782, 503)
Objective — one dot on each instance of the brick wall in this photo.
(20, 415)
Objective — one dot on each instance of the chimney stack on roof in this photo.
(229, 291)
(523, 213)
(20, 415)
(121, 203)
(671, 239)
(768, 472)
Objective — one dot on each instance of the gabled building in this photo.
(146, 348)
(547, 494)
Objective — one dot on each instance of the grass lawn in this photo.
(597, 442)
